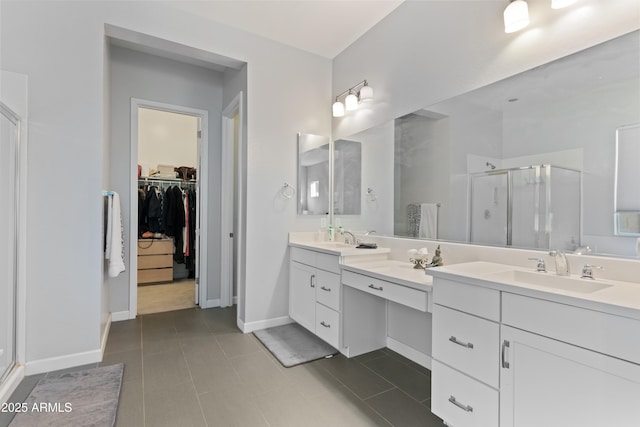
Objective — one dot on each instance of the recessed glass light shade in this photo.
(516, 16)
(366, 93)
(338, 109)
(559, 4)
(351, 102)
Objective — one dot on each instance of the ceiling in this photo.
(323, 27)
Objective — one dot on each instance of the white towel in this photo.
(428, 221)
(114, 251)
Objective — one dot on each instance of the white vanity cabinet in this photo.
(314, 293)
(514, 360)
(466, 342)
(567, 366)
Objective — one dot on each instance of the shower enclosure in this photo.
(9, 126)
(528, 207)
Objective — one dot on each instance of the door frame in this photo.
(229, 210)
(202, 191)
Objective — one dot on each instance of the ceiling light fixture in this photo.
(559, 4)
(516, 16)
(352, 99)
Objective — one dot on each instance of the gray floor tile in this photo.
(173, 406)
(230, 407)
(359, 379)
(403, 411)
(158, 322)
(165, 370)
(212, 373)
(238, 344)
(343, 408)
(285, 407)
(259, 373)
(131, 404)
(375, 354)
(405, 377)
(132, 360)
(311, 380)
(123, 340)
(159, 341)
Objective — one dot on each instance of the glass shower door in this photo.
(489, 203)
(8, 239)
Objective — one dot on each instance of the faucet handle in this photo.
(587, 271)
(540, 266)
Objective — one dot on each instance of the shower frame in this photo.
(540, 171)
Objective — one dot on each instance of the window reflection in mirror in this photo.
(313, 174)
(347, 177)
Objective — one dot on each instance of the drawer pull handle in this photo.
(376, 288)
(505, 346)
(460, 405)
(325, 289)
(326, 325)
(312, 280)
(460, 343)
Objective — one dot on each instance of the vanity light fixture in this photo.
(516, 16)
(352, 99)
(559, 4)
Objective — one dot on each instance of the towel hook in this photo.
(287, 191)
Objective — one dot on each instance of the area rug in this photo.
(292, 344)
(76, 399)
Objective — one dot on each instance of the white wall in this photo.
(416, 57)
(60, 46)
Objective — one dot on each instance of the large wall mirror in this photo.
(314, 166)
(526, 162)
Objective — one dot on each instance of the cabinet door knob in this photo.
(460, 343)
(376, 288)
(326, 325)
(467, 408)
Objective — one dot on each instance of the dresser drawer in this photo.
(155, 275)
(155, 246)
(155, 261)
(471, 299)
(467, 343)
(397, 293)
(328, 325)
(328, 289)
(461, 401)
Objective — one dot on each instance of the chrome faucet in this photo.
(353, 238)
(540, 266)
(587, 271)
(562, 263)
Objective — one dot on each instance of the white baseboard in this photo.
(119, 316)
(211, 303)
(11, 383)
(263, 324)
(410, 353)
(105, 336)
(62, 362)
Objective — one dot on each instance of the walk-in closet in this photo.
(167, 210)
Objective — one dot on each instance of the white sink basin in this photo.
(549, 280)
(334, 245)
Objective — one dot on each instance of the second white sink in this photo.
(549, 280)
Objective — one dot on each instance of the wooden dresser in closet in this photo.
(155, 261)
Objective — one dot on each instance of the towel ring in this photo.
(287, 191)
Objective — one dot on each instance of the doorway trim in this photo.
(230, 259)
(203, 190)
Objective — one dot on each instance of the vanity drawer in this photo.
(467, 343)
(328, 325)
(461, 401)
(303, 256)
(316, 259)
(397, 293)
(471, 299)
(328, 289)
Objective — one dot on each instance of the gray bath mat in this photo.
(75, 399)
(292, 344)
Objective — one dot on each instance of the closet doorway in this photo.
(170, 204)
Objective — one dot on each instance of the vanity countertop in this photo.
(401, 272)
(609, 296)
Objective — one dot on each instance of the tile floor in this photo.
(195, 368)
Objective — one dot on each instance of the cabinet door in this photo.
(302, 295)
(544, 382)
